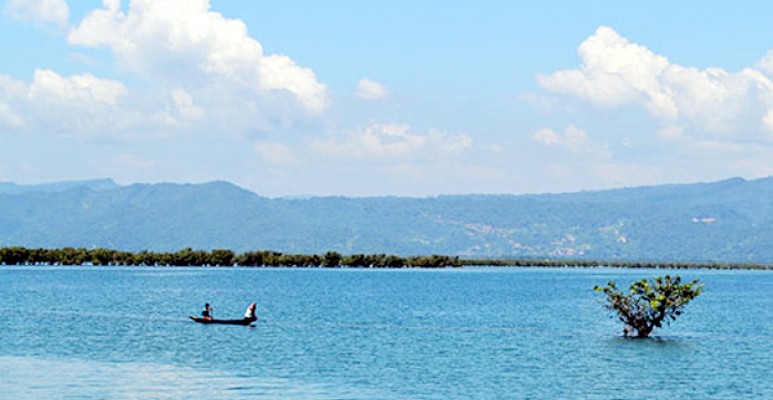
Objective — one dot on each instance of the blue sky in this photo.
(290, 98)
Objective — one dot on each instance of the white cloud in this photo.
(10, 91)
(547, 136)
(279, 72)
(448, 145)
(274, 153)
(45, 11)
(185, 106)
(47, 85)
(392, 142)
(574, 139)
(9, 119)
(182, 43)
(180, 110)
(710, 102)
(203, 73)
(76, 105)
(370, 90)
(614, 72)
(766, 63)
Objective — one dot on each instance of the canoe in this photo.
(243, 321)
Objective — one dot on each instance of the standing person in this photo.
(206, 313)
(250, 313)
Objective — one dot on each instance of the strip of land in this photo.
(331, 259)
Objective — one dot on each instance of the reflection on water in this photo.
(28, 378)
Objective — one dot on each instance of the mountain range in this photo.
(725, 221)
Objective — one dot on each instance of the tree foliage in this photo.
(216, 258)
(649, 302)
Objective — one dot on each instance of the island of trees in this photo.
(215, 258)
(330, 259)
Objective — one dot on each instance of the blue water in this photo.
(123, 333)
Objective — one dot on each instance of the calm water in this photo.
(94, 333)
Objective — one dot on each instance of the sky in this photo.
(398, 98)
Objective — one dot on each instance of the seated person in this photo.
(250, 313)
(206, 313)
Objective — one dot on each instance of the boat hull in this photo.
(243, 321)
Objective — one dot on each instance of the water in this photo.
(123, 333)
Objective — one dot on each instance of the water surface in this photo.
(119, 333)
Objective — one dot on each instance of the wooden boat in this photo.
(243, 321)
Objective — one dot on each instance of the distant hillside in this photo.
(727, 221)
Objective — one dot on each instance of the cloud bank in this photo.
(196, 70)
(181, 41)
(709, 103)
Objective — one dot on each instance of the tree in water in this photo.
(650, 302)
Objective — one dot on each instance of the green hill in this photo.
(727, 221)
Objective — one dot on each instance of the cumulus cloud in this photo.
(48, 85)
(203, 73)
(44, 11)
(709, 102)
(205, 69)
(392, 141)
(183, 41)
(370, 90)
(74, 105)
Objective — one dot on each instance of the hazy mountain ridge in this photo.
(95, 184)
(730, 220)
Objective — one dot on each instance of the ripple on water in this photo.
(30, 378)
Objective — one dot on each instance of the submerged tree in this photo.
(650, 302)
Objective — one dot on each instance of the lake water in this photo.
(123, 333)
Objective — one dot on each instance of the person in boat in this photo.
(206, 313)
(250, 313)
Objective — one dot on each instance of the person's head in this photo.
(206, 305)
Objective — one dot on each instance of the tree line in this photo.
(330, 259)
(589, 263)
(215, 258)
